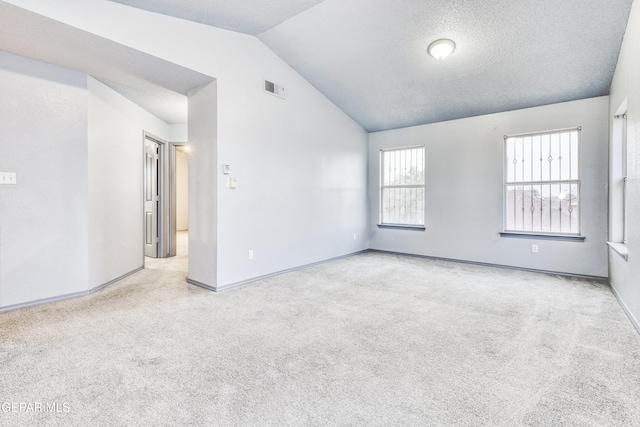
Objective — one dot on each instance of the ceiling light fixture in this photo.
(442, 48)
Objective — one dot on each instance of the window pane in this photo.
(509, 158)
(536, 158)
(527, 150)
(403, 167)
(554, 156)
(518, 160)
(545, 208)
(574, 155)
(565, 156)
(544, 157)
(403, 206)
(385, 168)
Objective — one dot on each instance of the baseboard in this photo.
(66, 296)
(626, 310)
(43, 301)
(201, 285)
(508, 267)
(266, 276)
(111, 282)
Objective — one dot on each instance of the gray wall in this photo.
(464, 190)
(43, 219)
(626, 85)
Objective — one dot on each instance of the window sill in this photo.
(516, 235)
(620, 249)
(403, 227)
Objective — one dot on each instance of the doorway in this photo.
(166, 198)
(179, 205)
(155, 225)
(151, 197)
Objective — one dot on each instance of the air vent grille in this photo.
(274, 89)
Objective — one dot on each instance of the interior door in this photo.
(151, 199)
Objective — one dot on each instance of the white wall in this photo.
(301, 169)
(300, 163)
(301, 166)
(74, 221)
(43, 219)
(626, 85)
(179, 132)
(203, 210)
(464, 190)
(182, 191)
(115, 129)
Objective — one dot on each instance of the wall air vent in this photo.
(274, 89)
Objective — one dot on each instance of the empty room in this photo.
(319, 212)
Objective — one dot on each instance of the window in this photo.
(624, 178)
(402, 186)
(618, 184)
(542, 187)
(619, 178)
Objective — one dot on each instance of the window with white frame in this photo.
(619, 175)
(542, 185)
(402, 186)
(624, 178)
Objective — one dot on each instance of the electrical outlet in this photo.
(354, 236)
(251, 254)
(534, 249)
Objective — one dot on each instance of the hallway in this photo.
(180, 262)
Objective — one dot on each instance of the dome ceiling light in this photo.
(441, 48)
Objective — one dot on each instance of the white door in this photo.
(151, 199)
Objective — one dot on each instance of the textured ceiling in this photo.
(245, 16)
(370, 58)
(372, 61)
(154, 84)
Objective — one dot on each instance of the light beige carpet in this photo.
(373, 339)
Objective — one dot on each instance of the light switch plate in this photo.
(232, 182)
(226, 169)
(7, 177)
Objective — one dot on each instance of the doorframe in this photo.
(163, 217)
(172, 246)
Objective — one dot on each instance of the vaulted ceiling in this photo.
(370, 57)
